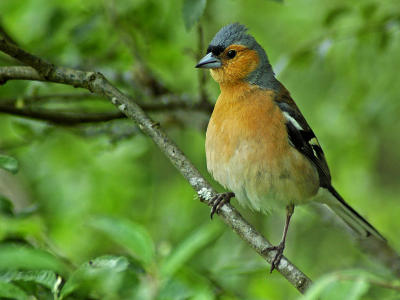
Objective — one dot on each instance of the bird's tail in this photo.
(352, 218)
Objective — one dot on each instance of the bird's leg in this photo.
(281, 246)
(219, 200)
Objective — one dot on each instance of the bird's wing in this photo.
(304, 140)
(302, 137)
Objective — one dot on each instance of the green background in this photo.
(105, 191)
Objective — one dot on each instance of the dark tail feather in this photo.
(352, 218)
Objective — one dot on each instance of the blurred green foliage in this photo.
(97, 212)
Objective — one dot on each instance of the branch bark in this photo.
(37, 99)
(97, 83)
(70, 118)
(5, 34)
(19, 73)
(61, 118)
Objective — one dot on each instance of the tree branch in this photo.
(5, 34)
(97, 83)
(35, 99)
(75, 118)
(40, 65)
(164, 103)
(69, 118)
(61, 118)
(202, 73)
(19, 73)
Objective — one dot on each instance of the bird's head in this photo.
(234, 55)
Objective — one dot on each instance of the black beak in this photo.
(209, 62)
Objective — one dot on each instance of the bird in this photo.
(258, 144)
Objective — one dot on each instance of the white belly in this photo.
(258, 184)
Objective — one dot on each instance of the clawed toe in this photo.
(218, 201)
(278, 255)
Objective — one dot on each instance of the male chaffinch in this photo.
(258, 144)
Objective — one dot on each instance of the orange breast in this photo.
(248, 152)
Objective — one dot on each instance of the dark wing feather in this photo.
(302, 137)
(304, 140)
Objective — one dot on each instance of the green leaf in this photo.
(23, 227)
(6, 206)
(188, 248)
(45, 278)
(8, 163)
(131, 236)
(8, 290)
(314, 292)
(335, 14)
(192, 11)
(359, 288)
(175, 289)
(351, 285)
(369, 10)
(14, 257)
(104, 274)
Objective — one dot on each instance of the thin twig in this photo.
(42, 67)
(380, 283)
(19, 72)
(71, 118)
(6, 35)
(38, 99)
(61, 117)
(202, 73)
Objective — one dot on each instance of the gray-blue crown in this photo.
(233, 34)
(237, 34)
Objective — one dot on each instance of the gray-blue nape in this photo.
(236, 33)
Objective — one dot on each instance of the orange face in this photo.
(237, 63)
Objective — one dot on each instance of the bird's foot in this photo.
(219, 200)
(278, 255)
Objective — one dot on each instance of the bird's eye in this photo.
(231, 54)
